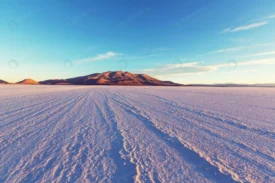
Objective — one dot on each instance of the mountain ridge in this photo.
(3, 82)
(111, 78)
(28, 81)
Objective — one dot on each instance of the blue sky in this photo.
(186, 41)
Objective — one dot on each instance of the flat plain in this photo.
(136, 134)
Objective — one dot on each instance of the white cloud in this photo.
(99, 57)
(240, 48)
(179, 64)
(165, 76)
(148, 70)
(245, 63)
(227, 50)
(179, 69)
(140, 57)
(261, 54)
(263, 44)
(226, 30)
(258, 62)
(246, 27)
(195, 68)
(176, 65)
(270, 17)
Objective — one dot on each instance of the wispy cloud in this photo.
(263, 44)
(165, 76)
(241, 71)
(140, 57)
(196, 68)
(261, 54)
(176, 65)
(182, 65)
(246, 27)
(178, 69)
(234, 49)
(270, 17)
(160, 49)
(228, 50)
(99, 57)
(247, 62)
(258, 62)
(265, 18)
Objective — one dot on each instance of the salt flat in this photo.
(136, 134)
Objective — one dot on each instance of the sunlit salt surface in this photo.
(136, 134)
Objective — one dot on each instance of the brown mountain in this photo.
(113, 78)
(28, 81)
(3, 82)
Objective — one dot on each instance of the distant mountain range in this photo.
(126, 79)
(105, 78)
(112, 78)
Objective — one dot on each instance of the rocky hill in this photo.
(28, 81)
(113, 78)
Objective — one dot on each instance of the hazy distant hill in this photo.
(28, 81)
(54, 82)
(113, 78)
(3, 82)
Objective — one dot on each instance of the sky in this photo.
(185, 41)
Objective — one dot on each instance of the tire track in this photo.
(229, 122)
(52, 114)
(45, 150)
(120, 134)
(199, 164)
(203, 124)
(56, 103)
(125, 170)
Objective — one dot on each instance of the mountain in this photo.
(3, 82)
(113, 78)
(55, 82)
(28, 81)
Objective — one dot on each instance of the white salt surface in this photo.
(136, 134)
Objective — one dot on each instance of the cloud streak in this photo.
(196, 68)
(99, 57)
(227, 50)
(261, 54)
(246, 27)
(179, 69)
(270, 17)
(161, 49)
(140, 57)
